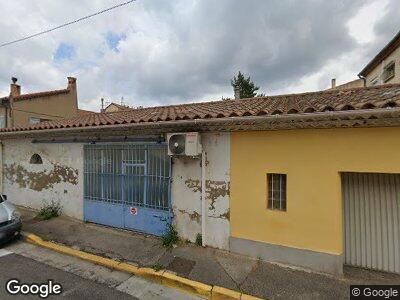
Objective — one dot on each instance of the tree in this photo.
(244, 85)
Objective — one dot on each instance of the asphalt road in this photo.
(79, 279)
(29, 271)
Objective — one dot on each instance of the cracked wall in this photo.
(186, 192)
(58, 178)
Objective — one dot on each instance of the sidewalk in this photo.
(206, 265)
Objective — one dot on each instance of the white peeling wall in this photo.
(186, 192)
(59, 178)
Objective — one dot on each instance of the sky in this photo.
(159, 52)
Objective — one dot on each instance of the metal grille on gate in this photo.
(119, 177)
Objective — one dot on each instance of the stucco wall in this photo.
(59, 178)
(312, 160)
(377, 71)
(350, 85)
(186, 192)
(50, 107)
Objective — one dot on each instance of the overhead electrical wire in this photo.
(66, 24)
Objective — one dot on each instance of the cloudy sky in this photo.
(155, 52)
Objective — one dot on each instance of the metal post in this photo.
(203, 198)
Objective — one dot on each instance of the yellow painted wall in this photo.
(312, 160)
(62, 106)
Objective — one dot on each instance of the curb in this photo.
(162, 277)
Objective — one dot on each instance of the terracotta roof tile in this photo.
(83, 112)
(330, 100)
(41, 94)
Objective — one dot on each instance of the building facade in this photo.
(115, 107)
(23, 109)
(384, 68)
(309, 180)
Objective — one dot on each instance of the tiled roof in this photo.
(370, 98)
(83, 112)
(385, 52)
(119, 106)
(41, 94)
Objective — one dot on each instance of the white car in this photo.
(10, 221)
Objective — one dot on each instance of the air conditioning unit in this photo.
(184, 144)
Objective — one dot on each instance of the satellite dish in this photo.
(176, 144)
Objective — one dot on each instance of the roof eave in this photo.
(384, 53)
(343, 119)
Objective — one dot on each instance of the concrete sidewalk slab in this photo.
(141, 249)
(207, 265)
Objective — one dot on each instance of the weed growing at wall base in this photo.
(170, 238)
(199, 240)
(49, 211)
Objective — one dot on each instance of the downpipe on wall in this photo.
(1, 167)
(203, 198)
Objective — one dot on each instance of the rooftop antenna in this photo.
(102, 104)
(122, 100)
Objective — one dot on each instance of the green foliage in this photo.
(170, 238)
(157, 267)
(245, 85)
(199, 240)
(49, 211)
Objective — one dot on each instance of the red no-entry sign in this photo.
(134, 211)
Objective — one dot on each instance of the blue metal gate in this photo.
(128, 186)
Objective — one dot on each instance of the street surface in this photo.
(79, 279)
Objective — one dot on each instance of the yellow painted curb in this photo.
(163, 277)
(182, 283)
(142, 272)
(224, 293)
(249, 297)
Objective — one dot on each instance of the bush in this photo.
(199, 240)
(170, 238)
(49, 211)
(157, 267)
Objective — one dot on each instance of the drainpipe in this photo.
(203, 198)
(364, 79)
(1, 167)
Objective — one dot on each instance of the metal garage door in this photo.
(372, 220)
(128, 186)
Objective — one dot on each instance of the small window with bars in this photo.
(389, 71)
(276, 191)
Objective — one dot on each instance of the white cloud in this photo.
(186, 50)
(361, 26)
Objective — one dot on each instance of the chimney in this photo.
(102, 105)
(333, 83)
(15, 89)
(237, 92)
(71, 83)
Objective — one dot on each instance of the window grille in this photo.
(134, 175)
(276, 191)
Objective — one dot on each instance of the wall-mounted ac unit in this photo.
(184, 144)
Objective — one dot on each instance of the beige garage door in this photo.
(372, 220)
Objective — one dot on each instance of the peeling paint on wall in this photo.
(214, 189)
(226, 215)
(41, 180)
(193, 184)
(186, 192)
(194, 216)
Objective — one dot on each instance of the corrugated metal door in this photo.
(372, 220)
